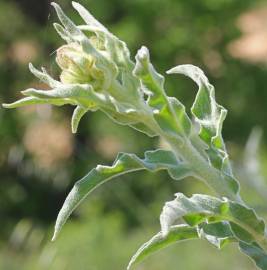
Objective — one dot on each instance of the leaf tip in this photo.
(26, 92)
(54, 4)
(143, 53)
(169, 71)
(54, 237)
(6, 105)
(75, 4)
(30, 66)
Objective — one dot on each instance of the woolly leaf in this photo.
(65, 35)
(218, 234)
(244, 223)
(125, 163)
(209, 115)
(78, 113)
(177, 234)
(168, 112)
(43, 76)
(32, 101)
(74, 93)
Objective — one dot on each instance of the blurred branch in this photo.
(251, 172)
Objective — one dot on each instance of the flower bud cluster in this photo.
(96, 73)
(77, 66)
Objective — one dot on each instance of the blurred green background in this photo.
(40, 159)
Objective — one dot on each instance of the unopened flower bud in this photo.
(78, 66)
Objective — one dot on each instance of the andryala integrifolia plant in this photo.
(97, 73)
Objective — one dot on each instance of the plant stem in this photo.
(203, 170)
(211, 176)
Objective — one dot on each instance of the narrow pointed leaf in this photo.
(218, 234)
(117, 48)
(177, 234)
(68, 24)
(209, 115)
(168, 112)
(244, 223)
(44, 77)
(88, 17)
(153, 161)
(63, 33)
(32, 101)
(74, 93)
(78, 113)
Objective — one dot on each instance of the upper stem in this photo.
(201, 167)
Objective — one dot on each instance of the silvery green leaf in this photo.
(133, 87)
(78, 113)
(104, 64)
(168, 112)
(218, 234)
(117, 48)
(34, 100)
(76, 94)
(209, 115)
(143, 128)
(44, 77)
(73, 31)
(244, 223)
(177, 234)
(130, 120)
(256, 253)
(68, 24)
(125, 163)
(63, 33)
(88, 17)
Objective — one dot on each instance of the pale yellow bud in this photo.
(77, 66)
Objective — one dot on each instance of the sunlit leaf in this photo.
(168, 112)
(177, 234)
(125, 163)
(209, 115)
(244, 223)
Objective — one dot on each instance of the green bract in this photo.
(98, 74)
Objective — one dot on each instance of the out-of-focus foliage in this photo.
(226, 38)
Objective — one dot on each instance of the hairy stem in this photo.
(203, 170)
(211, 176)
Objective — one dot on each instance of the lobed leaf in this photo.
(44, 77)
(168, 111)
(209, 115)
(218, 234)
(177, 234)
(244, 223)
(153, 161)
